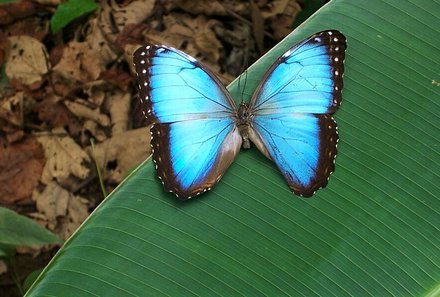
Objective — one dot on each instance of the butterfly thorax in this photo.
(243, 122)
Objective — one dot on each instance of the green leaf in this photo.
(374, 231)
(18, 230)
(69, 11)
(30, 279)
(7, 251)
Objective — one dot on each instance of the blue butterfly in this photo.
(198, 130)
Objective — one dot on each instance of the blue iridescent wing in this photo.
(292, 107)
(173, 86)
(194, 138)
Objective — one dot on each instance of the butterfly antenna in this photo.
(244, 87)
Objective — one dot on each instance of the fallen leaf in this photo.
(10, 12)
(77, 213)
(127, 150)
(27, 60)
(79, 62)
(11, 109)
(114, 16)
(281, 15)
(118, 77)
(64, 157)
(118, 104)
(82, 111)
(52, 202)
(53, 113)
(33, 26)
(92, 128)
(257, 26)
(60, 210)
(21, 167)
(199, 7)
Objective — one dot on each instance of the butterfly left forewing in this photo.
(292, 107)
(194, 138)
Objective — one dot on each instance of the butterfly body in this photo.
(198, 130)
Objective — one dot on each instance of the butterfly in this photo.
(198, 130)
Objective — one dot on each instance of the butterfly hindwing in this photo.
(191, 156)
(292, 108)
(194, 138)
(302, 145)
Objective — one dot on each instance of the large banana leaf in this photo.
(373, 231)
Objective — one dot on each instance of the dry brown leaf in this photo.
(11, 109)
(27, 60)
(199, 7)
(134, 12)
(60, 210)
(205, 39)
(129, 49)
(10, 12)
(175, 32)
(64, 157)
(93, 129)
(127, 149)
(198, 34)
(100, 43)
(77, 213)
(118, 105)
(277, 7)
(82, 111)
(33, 26)
(96, 91)
(52, 202)
(257, 26)
(21, 166)
(114, 18)
(54, 113)
(85, 61)
(281, 17)
(79, 62)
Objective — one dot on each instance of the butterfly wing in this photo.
(194, 138)
(292, 107)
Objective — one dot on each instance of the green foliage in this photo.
(69, 11)
(372, 232)
(18, 230)
(30, 279)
